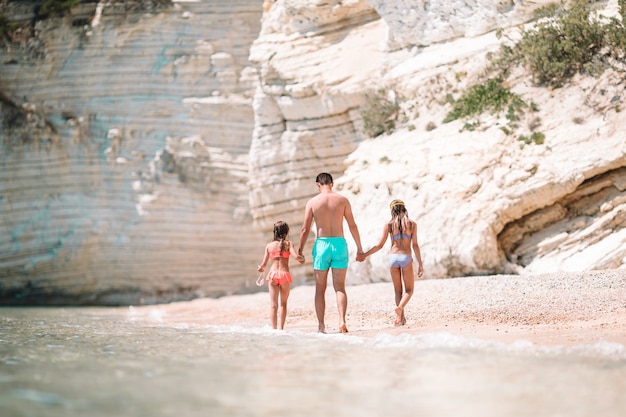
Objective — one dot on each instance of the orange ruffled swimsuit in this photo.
(279, 277)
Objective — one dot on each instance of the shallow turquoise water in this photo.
(107, 362)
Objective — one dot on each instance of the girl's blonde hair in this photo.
(399, 217)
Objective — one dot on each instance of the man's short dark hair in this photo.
(324, 178)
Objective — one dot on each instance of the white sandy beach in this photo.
(552, 309)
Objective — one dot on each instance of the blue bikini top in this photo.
(401, 236)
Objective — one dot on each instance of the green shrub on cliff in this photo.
(565, 41)
(537, 138)
(51, 8)
(616, 32)
(6, 27)
(379, 113)
(489, 96)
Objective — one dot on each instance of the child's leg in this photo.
(274, 290)
(396, 279)
(409, 284)
(284, 295)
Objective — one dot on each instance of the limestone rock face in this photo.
(485, 202)
(485, 205)
(146, 151)
(422, 23)
(133, 189)
(307, 104)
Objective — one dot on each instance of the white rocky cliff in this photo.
(166, 140)
(484, 203)
(140, 193)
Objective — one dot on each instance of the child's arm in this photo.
(418, 254)
(381, 242)
(295, 254)
(266, 257)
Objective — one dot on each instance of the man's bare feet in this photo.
(343, 329)
(321, 329)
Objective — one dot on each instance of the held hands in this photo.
(360, 256)
(300, 257)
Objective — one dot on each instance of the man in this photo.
(330, 250)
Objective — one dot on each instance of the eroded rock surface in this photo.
(147, 152)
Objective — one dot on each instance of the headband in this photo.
(396, 203)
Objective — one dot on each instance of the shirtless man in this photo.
(330, 250)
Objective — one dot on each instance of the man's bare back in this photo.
(328, 210)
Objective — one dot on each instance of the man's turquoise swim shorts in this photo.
(330, 252)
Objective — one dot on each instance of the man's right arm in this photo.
(306, 227)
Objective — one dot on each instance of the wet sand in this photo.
(555, 309)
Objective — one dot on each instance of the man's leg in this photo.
(321, 278)
(339, 284)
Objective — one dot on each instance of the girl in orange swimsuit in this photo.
(403, 233)
(278, 278)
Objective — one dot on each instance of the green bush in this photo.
(537, 138)
(471, 126)
(564, 42)
(55, 7)
(490, 96)
(616, 31)
(379, 113)
(6, 27)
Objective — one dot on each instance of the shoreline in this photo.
(553, 309)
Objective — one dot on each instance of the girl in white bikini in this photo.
(403, 233)
(278, 278)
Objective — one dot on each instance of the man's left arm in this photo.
(354, 229)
